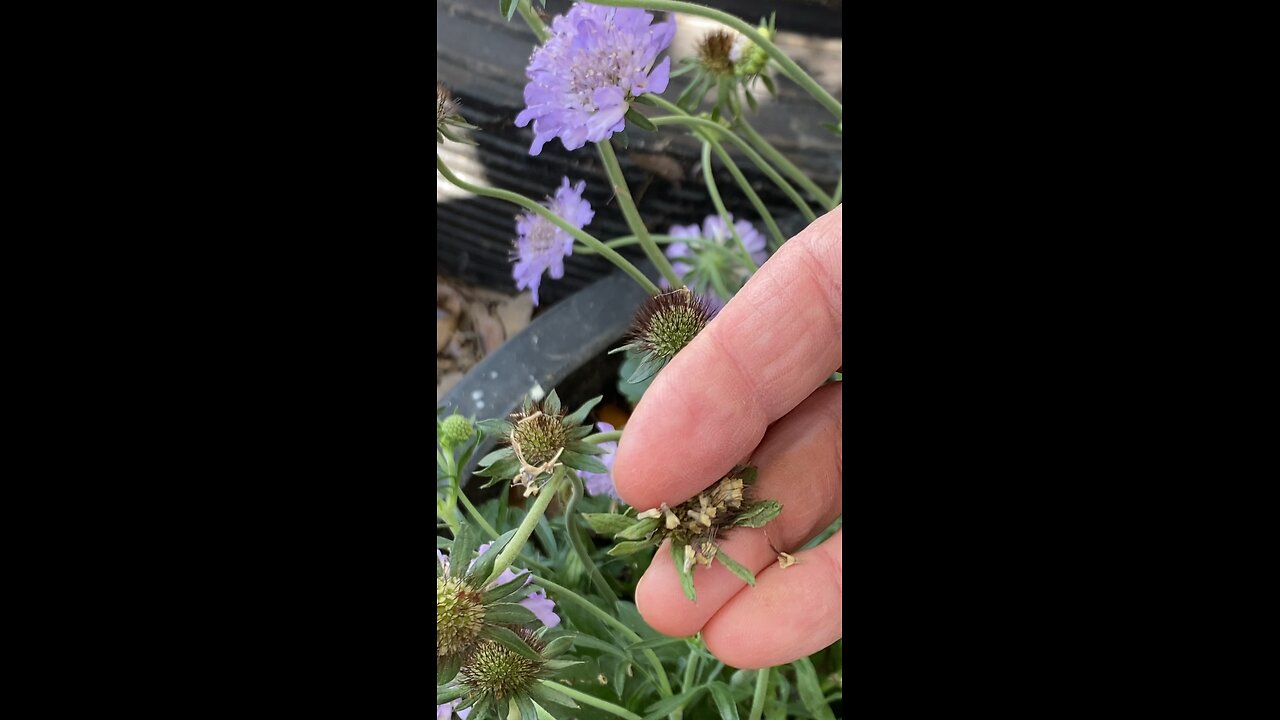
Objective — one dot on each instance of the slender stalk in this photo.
(763, 676)
(526, 203)
(475, 515)
(575, 539)
(714, 192)
(782, 163)
(632, 215)
(750, 192)
(664, 685)
(592, 700)
(509, 553)
(532, 20)
(786, 64)
(602, 437)
(626, 240)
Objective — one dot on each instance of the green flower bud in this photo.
(455, 430)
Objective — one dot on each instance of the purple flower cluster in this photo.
(602, 483)
(540, 245)
(583, 79)
(713, 231)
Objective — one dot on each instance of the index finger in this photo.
(760, 357)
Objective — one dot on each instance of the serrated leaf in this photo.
(686, 576)
(639, 530)
(577, 416)
(735, 567)
(583, 462)
(608, 524)
(626, 548)
(510, 640)
(508, 614)
(758, 514)
(810, 690)
(640, 121)
(496, 455)
(723, 699)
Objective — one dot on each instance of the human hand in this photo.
(749, 386)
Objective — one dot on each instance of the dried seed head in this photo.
(446, 105)
(713, 52)
(538, 438)
(668, 322)
(459, 615)
(494, 670)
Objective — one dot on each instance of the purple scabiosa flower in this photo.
(536, 602)
(708, 243)
(602, 483)
(540, 245)
(583, 79)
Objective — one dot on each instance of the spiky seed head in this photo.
(455, 430)
(666, 323)
(713, 52)
(538, 437)
(446, 105)
(494, 670)
(459, 616)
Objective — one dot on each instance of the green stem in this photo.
(575, 539)
(750, 192)
(714, 192)
(526, 203)
(782, 163)
(664, 686)
(632, 215)
(509, 553)
(690, 674)
(602, 437)
(592, 700)
(532, 20)
(475, 515)
(763, 677)
(682, 118)
(626, 240)
(786, 64)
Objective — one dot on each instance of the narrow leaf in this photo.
(641, 121)
(735, 567)
(580, 414)
(583, 462)
(665, 706)
(686, 576)
(608, 524)
(479, 573)
(811, 690)
(626, 548)
(724, 701)
(758, 514)
(508, 614)
(548, 694)
(464, 543)
(639, 530)
(551, 403)
(508, 638)
(507, 8)
(496, 455)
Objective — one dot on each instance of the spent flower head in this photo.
(583, 79)
(696, 526)
(539, 439)
(447, 117)
(709, 260)
(500, 675)
(663, 326)
(541, 245)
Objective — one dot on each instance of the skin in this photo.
(750, 386)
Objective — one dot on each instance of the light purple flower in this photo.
(583, 78)
(602, 483)
(540, 245)
(714, 231)
(446, 711)
(536, 602)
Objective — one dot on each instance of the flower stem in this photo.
(575, 539)
(509, 553)
(632, 215)
(782, 163)
(532, 20)
(625, 240)
(475, 515)
(714, 192)
(786, 64)
(664, 686)
(763, 676)
(592, 700)
(602, 437)
(526, 203)
(750, 192)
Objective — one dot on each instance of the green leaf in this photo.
(494, 428)
(448, 694)
(640, 121)
(525, 704)
(579, 432)
(495, 456)
(811, 690)
(508, 614)
(551, 403)
(724, 701)
(583, 462)
(508, 8)
(509, 639)
(608, 524)
(751, 101)
(735, 567)
(577, 416)
(621, 139)
(646, 100)
(506, 589)
(583, 447)
(686, 576)
(548, 694)
(503, 469)
(649, 366)
(591, 642)
(654, 643)
(747, 474)
(479, 572)
(758, 514)
(665, 706)
(543, 531)
(639, 530)
(626, 548)
(464, 543)
(447, 668)
(558, 647)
